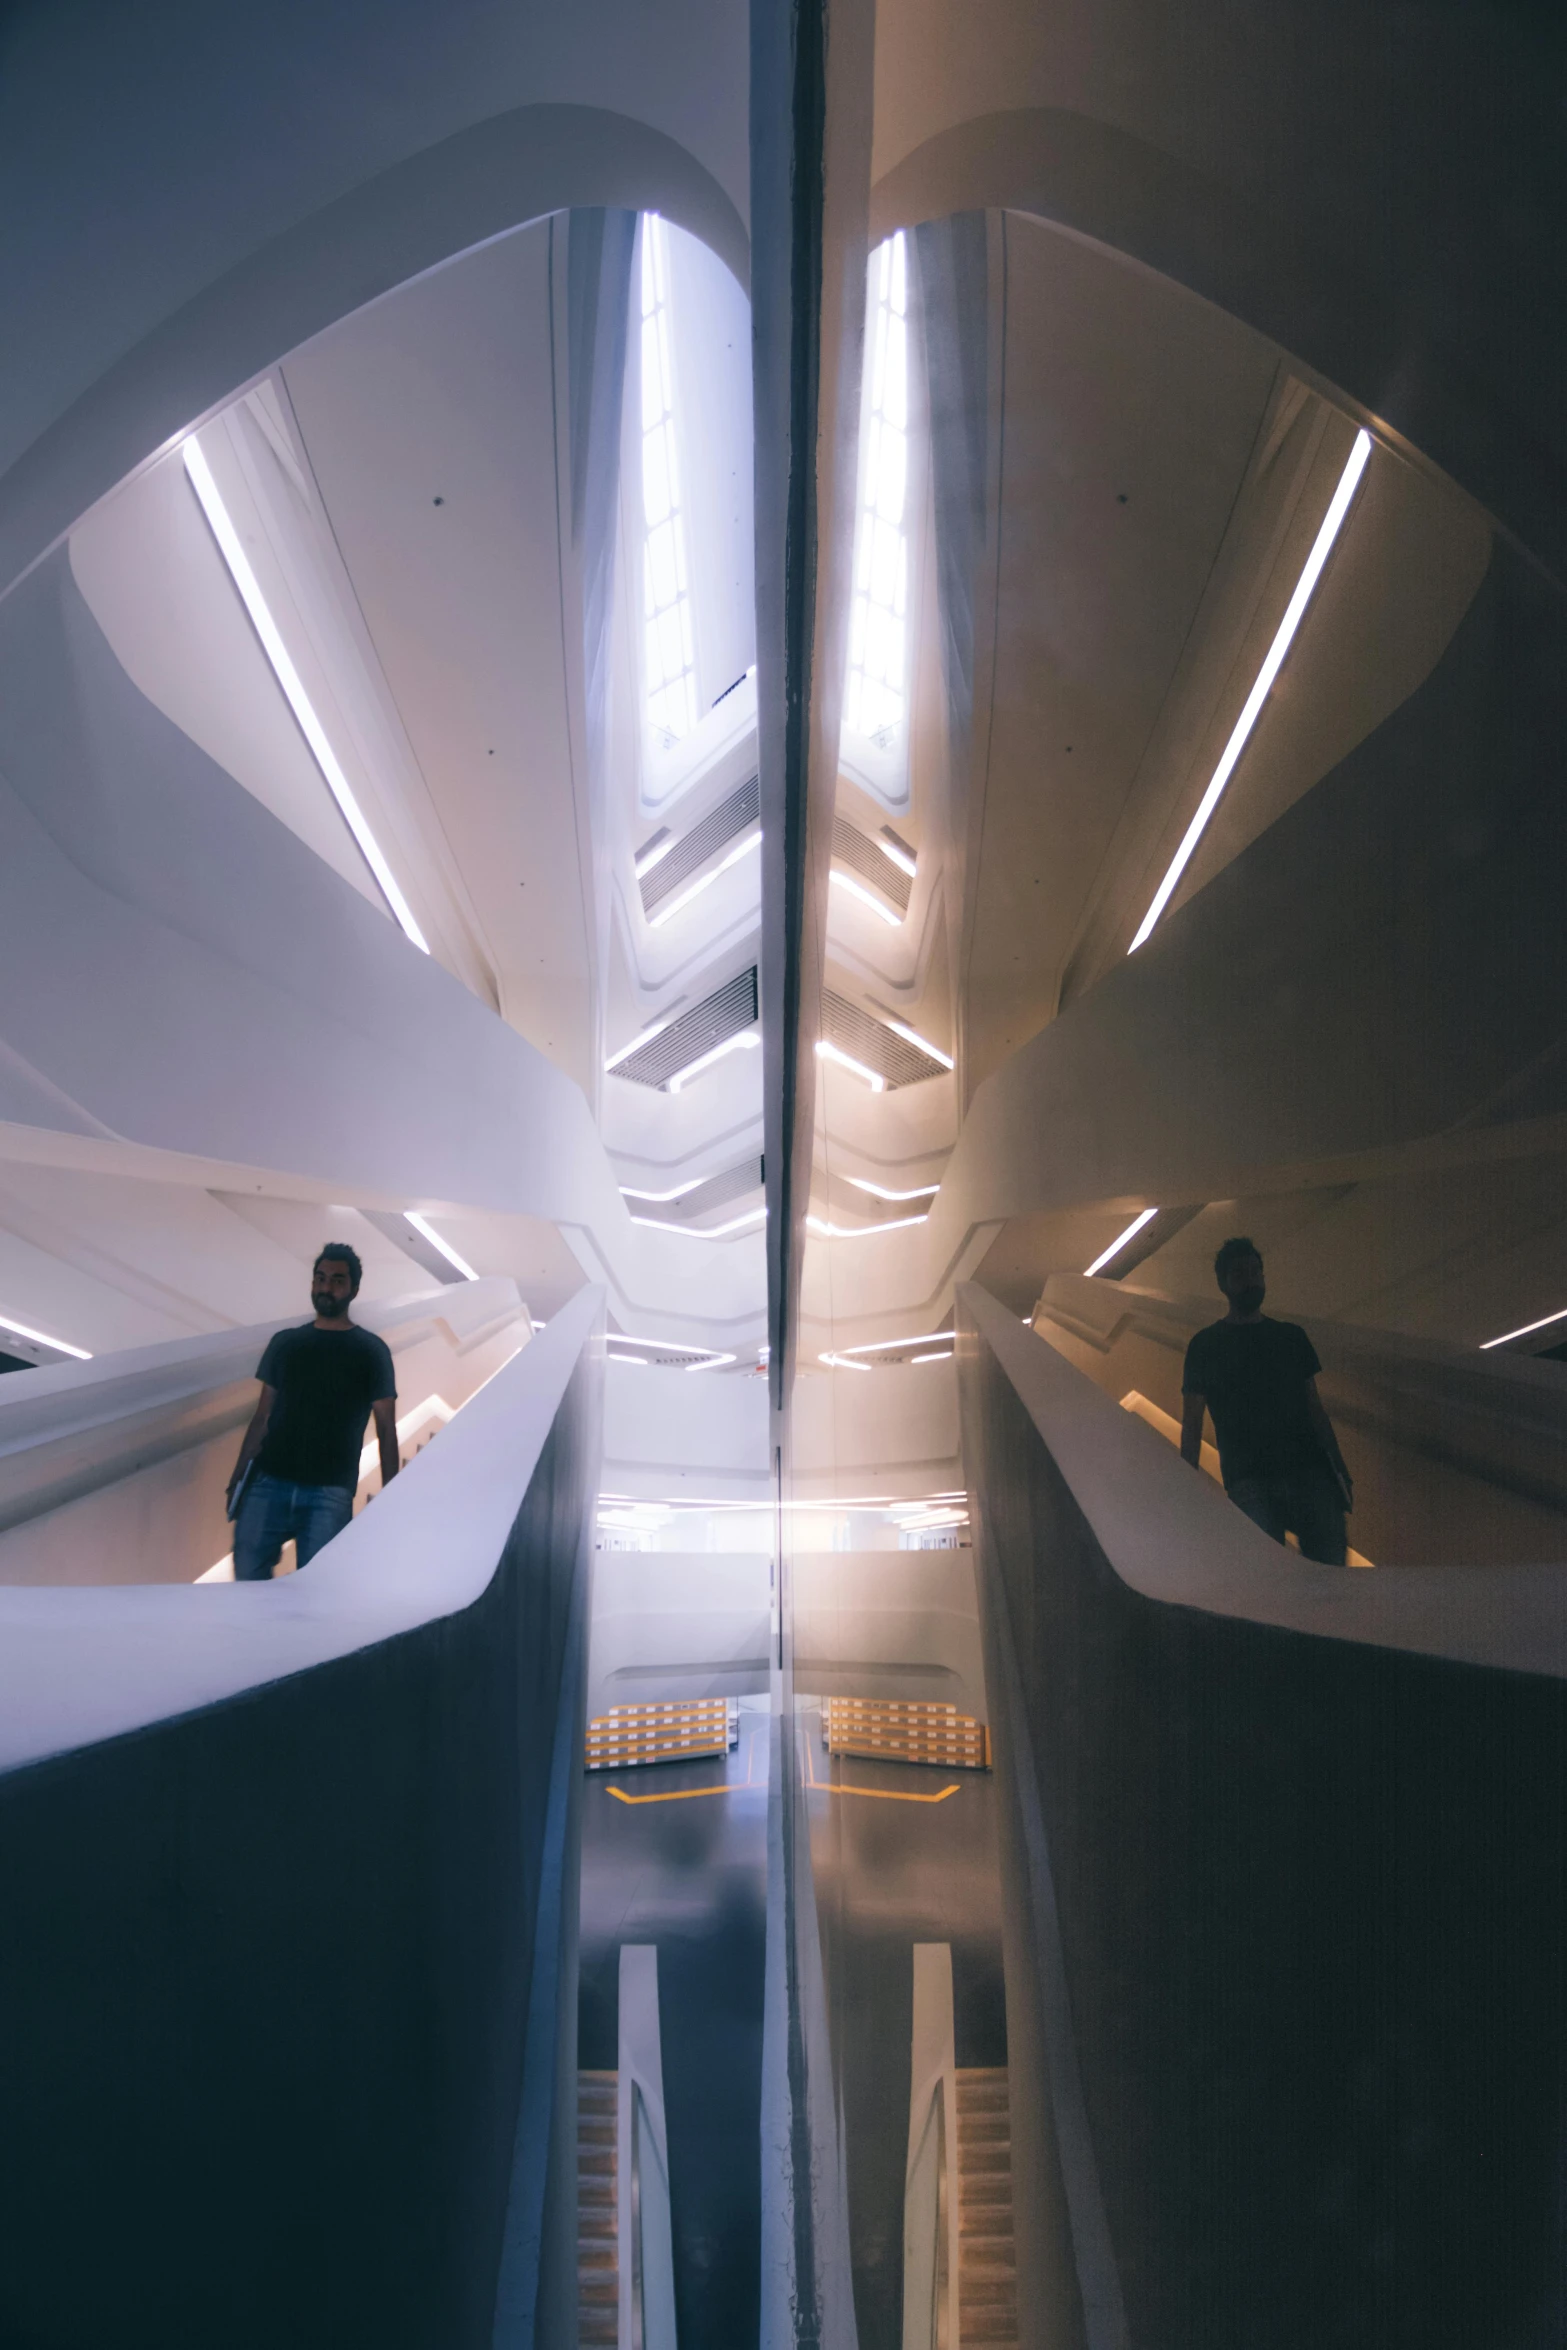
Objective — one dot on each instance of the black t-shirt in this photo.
(326, 1381)
(1253, 1375)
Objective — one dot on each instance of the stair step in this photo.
(598, 2252)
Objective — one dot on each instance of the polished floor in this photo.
(689, 1874)
(893, 1867)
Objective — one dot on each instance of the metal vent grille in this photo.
(717, 829)
(851, 847)
(873, 1044)
(662, 1357)
(718, 1017)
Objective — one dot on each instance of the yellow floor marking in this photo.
(886, 1794)
(678, 1795)
(689, 1794)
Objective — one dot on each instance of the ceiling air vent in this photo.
(717, 829)
(851, 847)
(719, 1016)
(873, 1044)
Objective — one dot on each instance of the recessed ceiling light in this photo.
(1528, 1329)
(913, 1036)
(857, 890)
(746, 1041)
(42, 1338)
(842, 1060)
(199, 474)
(1294, 613)
(1121, 1240)
(429, 1233)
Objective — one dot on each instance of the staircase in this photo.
(598, 2263)
(987, 2259)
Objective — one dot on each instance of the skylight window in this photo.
(669, 636)
(875, 700)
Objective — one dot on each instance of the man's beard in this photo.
(1249, 1301)
(330, 1308)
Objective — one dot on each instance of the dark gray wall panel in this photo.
(268, 1978)
(1312, 1899)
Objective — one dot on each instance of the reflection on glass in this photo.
(669, 639)
(875, 699)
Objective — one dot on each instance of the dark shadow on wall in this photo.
(266, 1983)
(1313, 1907)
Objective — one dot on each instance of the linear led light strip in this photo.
(42, 1338)
(206, 489)
(857, 889)
(881, 1346)
(879, 1191)
(682, 899)
(704, 1231)
(843, 1060)
(921, 1043)
(1528, 1330)
(1121, 1240)
(662, 1198)
(1294, 613)
(746, 1041)
(859, 1231)
(711, 1357)
(428, 1232)
(637, 1042)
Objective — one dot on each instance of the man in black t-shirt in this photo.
(1277, 1451)
(298, 1468)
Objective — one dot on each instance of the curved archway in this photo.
(413, 217)
(1330, 301)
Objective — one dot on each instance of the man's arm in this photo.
(253, 1436)
(1192, 1410)
(385, 1409)
(1322, 1429)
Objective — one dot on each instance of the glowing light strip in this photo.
(652, 856)
(1294, 613)
(710, 1356)
(746, 1041)
(941, 1358)
(896, 856)
(662, 1198)
(881, 1346)
(206, 489)
(637, 1042)
(752, 840)
(857, 889)
(841, 1060)
(913, 1036)
(703, 1231)
(42, 1338)
(428, 1232)
(843, 1363)
(1121, 1240)
(879, 1191)
(1528, 1329)
(859, 1231)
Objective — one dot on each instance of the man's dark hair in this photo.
(1230, 1252)
(341, 1254)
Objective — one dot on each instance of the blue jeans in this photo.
(273, 1511)
(1307, 1504)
